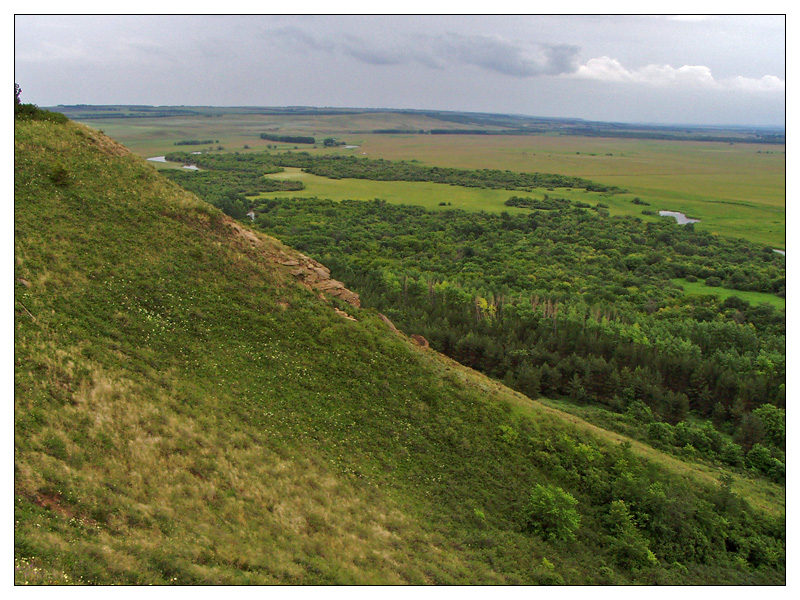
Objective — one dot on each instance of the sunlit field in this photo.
(433, 196)
(699, 288)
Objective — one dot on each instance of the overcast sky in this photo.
(657, 69)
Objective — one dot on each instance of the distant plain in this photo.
(735, 189)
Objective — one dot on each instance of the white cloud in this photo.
(768, 83)
(667, 75)
(611, 70)
(604, 69)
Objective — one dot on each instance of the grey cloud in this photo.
(510, 58)
(493, 53)
(562, 59)
(373, 54)
(416, 50)
(297, 39)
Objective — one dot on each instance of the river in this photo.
(681, 218)
(163, 159)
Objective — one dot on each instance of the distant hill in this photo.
(452, 122)
(196, 403)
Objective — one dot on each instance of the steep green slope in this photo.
(188, 409)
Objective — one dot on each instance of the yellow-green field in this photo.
(419, 193)
(734, 189)
(431, 195)
(699, 288)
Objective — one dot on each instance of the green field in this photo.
(699, 288)
(426, 194)
(734, 189)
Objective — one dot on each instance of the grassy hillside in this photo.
(191, 408)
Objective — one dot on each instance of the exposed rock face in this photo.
(322, 272)
(307, 270)
(318, 276)
(341, 313)
(415, 338)
(386, 320)
(245, 234)
(419, 340)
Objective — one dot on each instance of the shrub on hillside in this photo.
(550, 513)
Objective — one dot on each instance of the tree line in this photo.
(288, 139)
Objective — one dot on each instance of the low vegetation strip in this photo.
(288, 139)
(350, 167)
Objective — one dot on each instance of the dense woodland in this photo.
(562, 302)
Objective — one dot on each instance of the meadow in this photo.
(432, 196)
(699, 288)
(737, 190)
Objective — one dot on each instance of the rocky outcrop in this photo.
(419, 340)
(391, 325)
(306, 270)
(317, 276)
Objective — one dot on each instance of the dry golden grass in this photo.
(254, 505)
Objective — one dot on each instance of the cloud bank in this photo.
(518, 59)
(606, 68)
(492, 53)
(611, 70)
